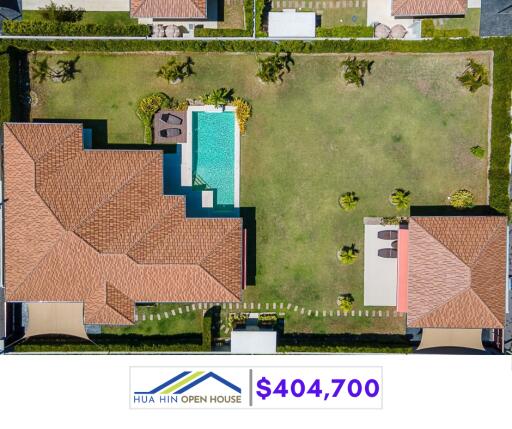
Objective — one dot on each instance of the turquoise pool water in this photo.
(213, 154)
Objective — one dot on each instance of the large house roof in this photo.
(457, 272)
(93, 226)
(428, 7)
(168, 9)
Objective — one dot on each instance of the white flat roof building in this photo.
(253, 341)
(290, 24)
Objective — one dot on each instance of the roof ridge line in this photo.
(484, 246)
(152, 227)
(214, 247)
(109, 198)
(442, 244)
(428, 313)
(486, 306)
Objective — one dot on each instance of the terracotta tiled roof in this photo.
(93, 226)
(168, 8)
(457, 270)
(428, 7)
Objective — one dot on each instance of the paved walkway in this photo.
(92, 5)
(267, 307)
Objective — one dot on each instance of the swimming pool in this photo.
(213, 154)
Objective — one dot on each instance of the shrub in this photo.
(181, 105)
(474, 76)
(478, 151)
(271, 69)
(174, 71)
(146, 109)
(218, 97)
(5, 94)
(262, 7)
(347, 255)
(243, 113)
(427, 28)
(345, 302)
(61, 13)
(207, 339)
(400, 198)
(345, 31)
(461, 199)
(237, 319)
(348, 201)
(52, 28)
(355, 70)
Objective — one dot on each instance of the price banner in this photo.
(255, 387)
(317, 387)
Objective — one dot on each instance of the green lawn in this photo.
(311, 139)
(471, 21)
(186, 323)
(104, 18)
(233, 16)
(335, 17)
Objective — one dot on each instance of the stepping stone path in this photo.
(166, 314)
(143, 317)
(173, 312)
(187, 309)
(180, 311)
(288, 306)
(150, 317)
(158, 316)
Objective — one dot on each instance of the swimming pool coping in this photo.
(186, 157)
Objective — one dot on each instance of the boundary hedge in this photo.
(230, 32)
(5, 92)
(52, 28)
(345, 31)
(500, 128)
(345, 349)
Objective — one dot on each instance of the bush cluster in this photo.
(5, 97)
(428, 29)
(146, 109)
(55, 28)
(345, 31)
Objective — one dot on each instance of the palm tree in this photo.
(41, 69)
(348, 201)
(174, 71)
(475, 75)
(218, 97)
(271, 69)
(400, 198)
(347, 254)
(355, 70)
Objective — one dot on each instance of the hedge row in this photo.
(5, 97)
(502, 47)
(207, 339)
(261, 7)
(428, 29)
(345, 31)
(53, 28)
(344, 349)
(230, 32)
(115, 343)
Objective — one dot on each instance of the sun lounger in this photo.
(388, 234)
(170, 132)
(387, 253)
(171, 119)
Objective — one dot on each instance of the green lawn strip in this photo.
(233, 16)
(471, 22)
(102, 18)
(5, 97)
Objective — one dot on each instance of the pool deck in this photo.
(186, 159)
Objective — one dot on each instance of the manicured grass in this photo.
(233, 16)
(311, 139)
(334, 17)
(103, 18)
(186, 323)
(471, 21)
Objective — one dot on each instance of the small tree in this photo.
(62, 13)
(243, 113)
(348, 201)
(461, 199)
(344, 302)
(271, 69)
(354, 70)
(174, 71)
(218, 97)
(400, 198)
(478, 151)
(474, 76)
(347, 255)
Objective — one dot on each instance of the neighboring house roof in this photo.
(457, 272)
(496, 18)
(428, 7)
(93, 226)
(168, 9)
